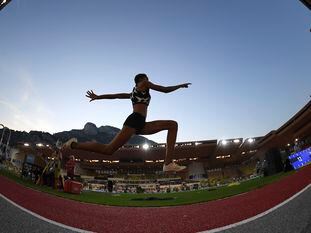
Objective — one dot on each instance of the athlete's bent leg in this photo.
(157, 126)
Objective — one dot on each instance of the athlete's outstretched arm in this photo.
(164, 89)
(93, 96)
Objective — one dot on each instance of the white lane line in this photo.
(257, 216)
(208, 231)
(43, 218)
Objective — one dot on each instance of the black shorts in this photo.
(136, 121)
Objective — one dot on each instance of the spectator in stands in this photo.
(58, 179)
(297, 146)
(288, 166)
(70, 167)
(258, 167)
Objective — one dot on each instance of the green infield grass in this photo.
(152, 200)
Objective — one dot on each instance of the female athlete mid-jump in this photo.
(136, 122)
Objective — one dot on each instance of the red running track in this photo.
(187, 218)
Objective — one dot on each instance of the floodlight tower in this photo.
(3, 3)
(307, 3)
(7, 145)
(2, 133)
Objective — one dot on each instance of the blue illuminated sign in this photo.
(300, 158)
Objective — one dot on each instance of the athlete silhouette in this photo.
(136, 122)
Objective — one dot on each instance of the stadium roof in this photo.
(298, 127)
(215, 153)
(307, 3)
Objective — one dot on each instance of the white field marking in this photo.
(257, 216)
(43, 218)
(208, 231)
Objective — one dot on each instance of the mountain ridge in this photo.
(90, 132)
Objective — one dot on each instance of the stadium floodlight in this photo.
(224, 142)
(236, 140)
(251, 140)
(26, 144)
(307, 3)
(3, 127)
(146, 146)
(4, 3)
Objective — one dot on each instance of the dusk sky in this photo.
(248, 61)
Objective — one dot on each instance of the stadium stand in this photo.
(212, 161)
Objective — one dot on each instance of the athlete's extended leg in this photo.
(108, 149)
(157, 126)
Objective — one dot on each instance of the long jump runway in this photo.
(283, 206)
